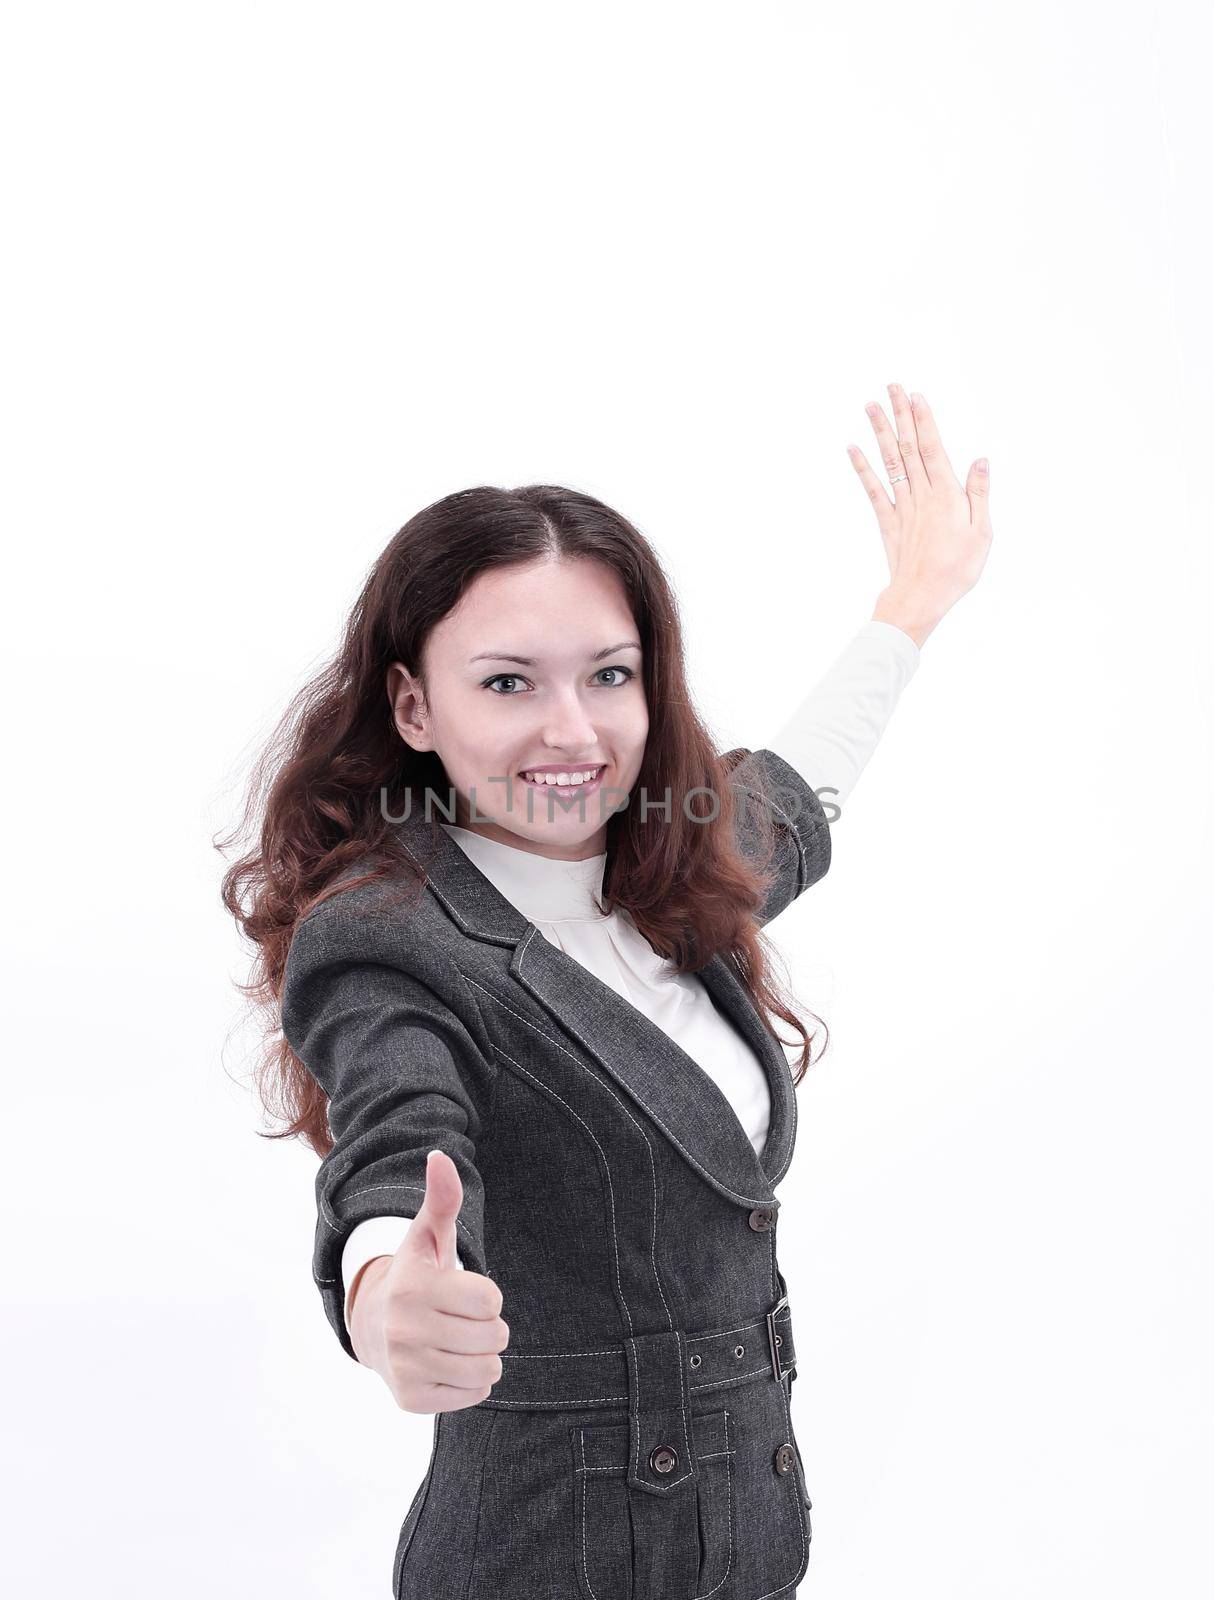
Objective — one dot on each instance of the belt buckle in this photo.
(774, 1348)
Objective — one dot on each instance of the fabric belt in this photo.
(752, 1352)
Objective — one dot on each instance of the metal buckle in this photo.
(774, 1348)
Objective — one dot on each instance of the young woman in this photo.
(507, 898)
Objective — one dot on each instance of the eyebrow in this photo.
(529, 661)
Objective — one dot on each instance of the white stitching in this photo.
(630, 1349)
(723, 1333)
(518, 1066)
(708, 1455)
(653, 1232)
(327, 1211)
(724, 1383)
(727, 1452)
(555, 1405)
(375, 1189)
(480, 1496)
(648, 1147)
(572, 1355)
(621, 1399)
(726, 1455)
(420, 1189)
(742, 1199)
(585, 1568)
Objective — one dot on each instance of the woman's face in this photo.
(538, 668)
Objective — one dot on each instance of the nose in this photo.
(569, 732)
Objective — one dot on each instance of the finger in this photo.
(431, 1234)
(891, 456)
(465, 1294)
(875, 489)
(931, 449)
(978, 490)
(468, 1336)
(462, 1371)
(908, 438)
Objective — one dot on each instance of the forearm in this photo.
(830, 737)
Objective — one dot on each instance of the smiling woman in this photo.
(571, 721)
(568, 601)
(509, 900)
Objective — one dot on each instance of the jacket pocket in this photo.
(605, 1537)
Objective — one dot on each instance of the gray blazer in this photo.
(639, 1442)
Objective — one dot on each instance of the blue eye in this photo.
(514, 677)
(627, 670)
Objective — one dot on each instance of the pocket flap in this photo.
(606, 1448)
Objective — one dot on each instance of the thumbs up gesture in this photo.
(431, 1330)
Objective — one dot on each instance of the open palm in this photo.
(937, 534)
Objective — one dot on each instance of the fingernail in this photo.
(916, 398)
(982, 464)
(872, 408)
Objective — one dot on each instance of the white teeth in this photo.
(564, 780)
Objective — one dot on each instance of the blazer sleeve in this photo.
(776, 807)
(405, 1070)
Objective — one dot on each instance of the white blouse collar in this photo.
(542, 888)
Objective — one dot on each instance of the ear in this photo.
(409, 712)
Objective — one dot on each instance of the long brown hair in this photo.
(336, 769)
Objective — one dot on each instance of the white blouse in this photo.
(828, 740)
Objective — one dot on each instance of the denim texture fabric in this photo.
(639, 1444)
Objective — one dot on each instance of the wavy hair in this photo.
(335, 768)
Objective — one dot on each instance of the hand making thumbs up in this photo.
(432, 1331)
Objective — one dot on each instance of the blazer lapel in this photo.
(674, 1091)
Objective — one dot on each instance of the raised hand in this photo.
(936, 534)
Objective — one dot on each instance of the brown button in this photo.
(784, 1458)
(762, 1218)
(663, 1459)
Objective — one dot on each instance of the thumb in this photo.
(978, 487)
(431, 1234)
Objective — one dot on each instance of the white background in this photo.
(278, 276)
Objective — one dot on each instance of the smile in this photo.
(572, 780)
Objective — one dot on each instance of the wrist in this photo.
(361, 1304)
(913, 618)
